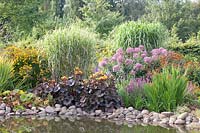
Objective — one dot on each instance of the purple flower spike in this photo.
(116, 68)
(130, 87)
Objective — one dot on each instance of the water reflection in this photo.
(62, 125)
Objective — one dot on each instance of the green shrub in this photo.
(133, 34)
(68, 48)
(167, 90)
(194, 73)
(97, 14)
(190, 48)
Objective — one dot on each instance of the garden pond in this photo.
(70, 125)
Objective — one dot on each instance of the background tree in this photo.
(97, 14)
(183, 14)
(19, 16)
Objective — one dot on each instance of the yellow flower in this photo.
(21, 92)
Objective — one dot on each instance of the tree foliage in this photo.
(19, 16)
(184, 15)
(97, 14)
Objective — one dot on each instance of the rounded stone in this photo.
(193, 125)
(119, 111)
(72, 107)
(41, 109)
(164, 121)
(111, 116)
(98, 112)
(2, 112)
(129, 120)
(121, 116)
(50, 110)
(145, 112)
(42, 113)
(139, 116)
(2, 106)
(155, 120)
(195, 119)
(188, 119)
(63, 111)
(131, 116)
(161, 116)
(57, 106)
(79, 110)
(33, 108)
(183, 116)
(130, 108)
(167, 114)
(126, 112)
(172, 120)
(146, 120)
(180, 122)
(8, 109)
(57, 109)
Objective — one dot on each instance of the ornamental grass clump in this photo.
(6, 74)
(166, 91)
(132, 34)
(69, 47)
(132, 69)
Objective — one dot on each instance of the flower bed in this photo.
(131, 87)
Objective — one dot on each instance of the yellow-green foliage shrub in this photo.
(190, 48)
(28, 64)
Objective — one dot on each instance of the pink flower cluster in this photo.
(103, 63)
(133, 59)
(158, 52)
(133, 65)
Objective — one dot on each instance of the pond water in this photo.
(58, 125)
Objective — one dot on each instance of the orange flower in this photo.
(77, 71)
(64, 78)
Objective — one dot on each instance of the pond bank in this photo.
(128, 116)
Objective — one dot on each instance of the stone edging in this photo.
(127, 115)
